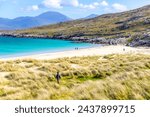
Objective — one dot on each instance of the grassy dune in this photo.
(98, 77)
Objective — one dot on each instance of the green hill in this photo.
(128, 27)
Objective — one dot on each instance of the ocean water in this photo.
(10, 46)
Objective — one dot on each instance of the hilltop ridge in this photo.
(129, 28)
(45, 18)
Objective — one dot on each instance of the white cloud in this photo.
(119, 7)
(52, 3)
(93, 5)
(96, 4)
(74, 3)
(104, 3)
(35, 7)
(89, 6)
(31, 8)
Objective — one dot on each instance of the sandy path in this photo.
(105, 50)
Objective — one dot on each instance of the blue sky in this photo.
(72, 8)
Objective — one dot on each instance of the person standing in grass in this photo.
(58, 77)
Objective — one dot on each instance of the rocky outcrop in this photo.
(140, 40)
(145, 43)
(124, 26)
(114, 41)
(101, 40)
(147, 21)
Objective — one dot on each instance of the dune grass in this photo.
(98, 77)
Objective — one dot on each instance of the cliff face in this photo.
(125, 28)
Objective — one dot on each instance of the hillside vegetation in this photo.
(98, 77)
(110, 26)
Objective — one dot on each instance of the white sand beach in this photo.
(102, 50)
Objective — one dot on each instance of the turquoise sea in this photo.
(10, 46)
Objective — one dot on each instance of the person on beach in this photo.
(58, 77)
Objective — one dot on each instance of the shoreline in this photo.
(28, 54)
(95, 51)
(92, 40)
(81, 39)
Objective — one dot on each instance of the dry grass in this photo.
(98, 77)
